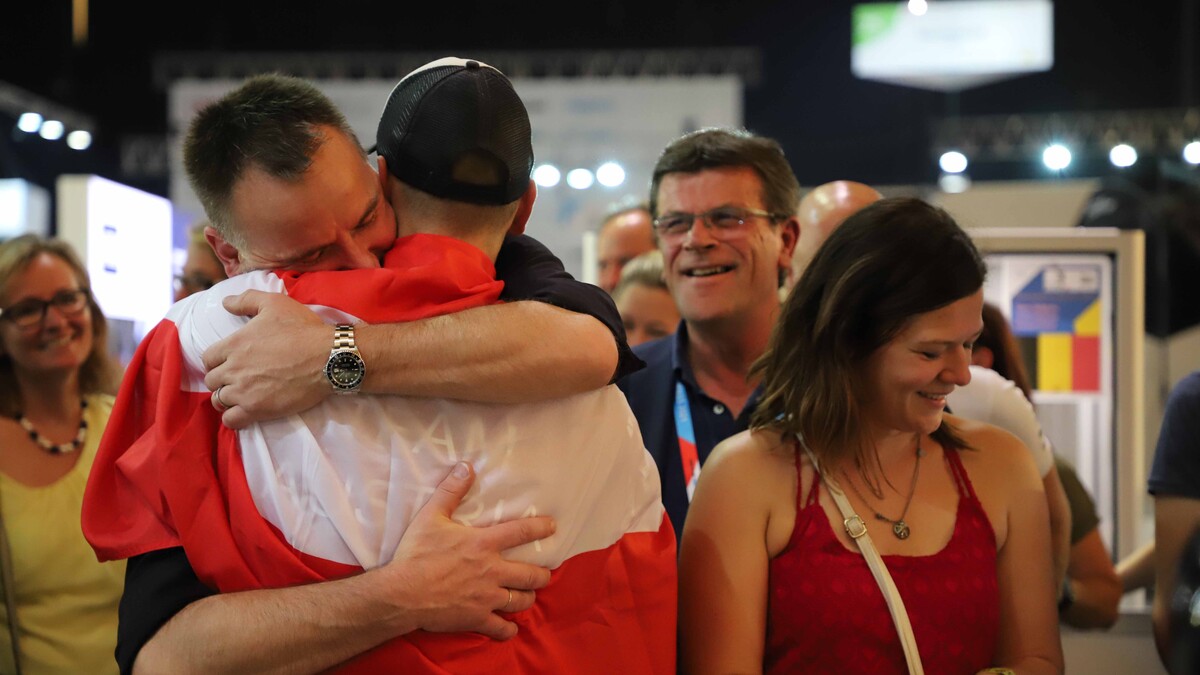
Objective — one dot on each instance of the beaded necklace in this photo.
(49, 446)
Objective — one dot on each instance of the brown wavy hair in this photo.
(98, 374)
(887, 264)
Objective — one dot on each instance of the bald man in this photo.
(821, 211)
(624, 235)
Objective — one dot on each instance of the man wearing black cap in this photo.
(476, 183)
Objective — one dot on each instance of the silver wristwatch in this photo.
(345, 368)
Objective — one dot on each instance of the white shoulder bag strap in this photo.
(857, 529)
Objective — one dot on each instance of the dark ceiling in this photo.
(1108, 55)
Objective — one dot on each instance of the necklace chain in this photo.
(48, 445)
(899, 526)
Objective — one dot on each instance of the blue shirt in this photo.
(651, 395)
(1176, 469)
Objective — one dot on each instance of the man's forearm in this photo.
(510, 353)
(302, 629)
(1060, 524)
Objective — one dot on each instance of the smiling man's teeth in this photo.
(934, 397)
(708, 271)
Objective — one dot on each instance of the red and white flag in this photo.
(329, 492)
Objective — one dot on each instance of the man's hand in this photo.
(457, 571)
(272, 367)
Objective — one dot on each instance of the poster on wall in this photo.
(1060, 307)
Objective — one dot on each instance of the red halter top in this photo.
(826, 614)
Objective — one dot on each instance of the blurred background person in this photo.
(646, 306)
(625, 234)
(202, 269)
(55, 379)
(876, 333)
(1091, 591)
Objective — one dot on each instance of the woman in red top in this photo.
(877, 332)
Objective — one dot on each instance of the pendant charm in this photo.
(900, 529)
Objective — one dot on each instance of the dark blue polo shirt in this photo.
(651, 395)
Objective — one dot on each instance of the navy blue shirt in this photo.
(1176, 469)
(651, 395)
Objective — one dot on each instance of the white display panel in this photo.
(952, 45)
(124, 237)
(24, 208)
(577, 123)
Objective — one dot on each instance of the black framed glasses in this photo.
(725, 222)
(32, 312)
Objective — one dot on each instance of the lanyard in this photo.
(687, 440)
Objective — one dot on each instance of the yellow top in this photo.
(66, 600)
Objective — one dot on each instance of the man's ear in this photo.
(381, 170)
(789, 234)
(524, 210)
(982, 356)
(227, 253)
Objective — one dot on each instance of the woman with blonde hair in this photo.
(55, 379)
(851, 451)
(646, 306)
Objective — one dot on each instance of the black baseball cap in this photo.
(450, 110)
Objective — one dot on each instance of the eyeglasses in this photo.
(193, 283)
(726, 222)
(32, 312)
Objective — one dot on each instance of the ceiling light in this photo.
(610, 174)
(29, 122)
(580, 179)
(52, 130)
(79, 139)
(547, 175)
(1056, 157)
(953, 162)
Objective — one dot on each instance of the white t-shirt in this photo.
(996, 400)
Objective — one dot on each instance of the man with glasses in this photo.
(724, 203)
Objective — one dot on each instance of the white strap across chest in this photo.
(857, 529)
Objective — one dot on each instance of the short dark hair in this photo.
(272, 122)
(722, 148)
(887, 264)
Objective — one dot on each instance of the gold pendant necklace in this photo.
(899, 527)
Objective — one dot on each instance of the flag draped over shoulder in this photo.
(327, 493)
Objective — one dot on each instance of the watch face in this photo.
(345, 370)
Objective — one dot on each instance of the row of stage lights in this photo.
(609, 174)
(53, 130)
(1057, 157)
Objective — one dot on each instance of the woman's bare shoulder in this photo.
(753, 454)
(993, 450)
